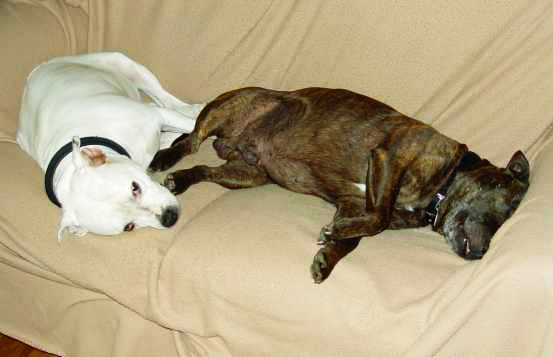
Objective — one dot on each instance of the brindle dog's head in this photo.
(481, 197)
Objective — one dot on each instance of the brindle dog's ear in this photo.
(519, 167)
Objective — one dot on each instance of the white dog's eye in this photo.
(129, 227)
(136, 190)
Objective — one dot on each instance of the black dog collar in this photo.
(434, 205)
(469, 161)
(66, 150)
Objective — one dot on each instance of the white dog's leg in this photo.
(177, 121)
(144, 80)
(138, 74)
(180, 119)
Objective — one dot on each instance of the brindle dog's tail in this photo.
(180, 138)
(225, 116)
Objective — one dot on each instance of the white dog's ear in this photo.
(88, 156)
(69, 222)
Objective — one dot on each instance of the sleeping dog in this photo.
(84, 120)
(382, 169)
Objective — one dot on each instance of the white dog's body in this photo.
(99, 95)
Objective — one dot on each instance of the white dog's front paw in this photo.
(77, 230)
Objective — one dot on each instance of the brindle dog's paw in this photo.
(176, 183)
(165, 159)
(321, 267)
(169, 183)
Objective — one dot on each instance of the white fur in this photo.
(100, 95)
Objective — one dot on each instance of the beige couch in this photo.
(232, 278)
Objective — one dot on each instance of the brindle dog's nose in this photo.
(474, 253)
(169, 216)
(479, 232)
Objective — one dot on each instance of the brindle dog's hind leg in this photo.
(233, 174)
(186, 144)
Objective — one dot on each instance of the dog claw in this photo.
(325, 235)
(170, 182)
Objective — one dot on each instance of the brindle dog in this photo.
(382, 169)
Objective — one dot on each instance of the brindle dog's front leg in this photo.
(233, 174)
(347, 209)
(383, 178)
(329, 255)
(357, 217)
(342, 236)
(334, 250)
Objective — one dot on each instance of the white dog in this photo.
(94, 101)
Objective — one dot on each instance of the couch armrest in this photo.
(526, 237)
(33, 33)
(503, 304)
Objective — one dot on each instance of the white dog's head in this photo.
(108, 196)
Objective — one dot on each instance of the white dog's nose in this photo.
(169, 216)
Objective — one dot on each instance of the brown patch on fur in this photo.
(95, 157)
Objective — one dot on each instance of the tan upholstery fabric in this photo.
(232, 278)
